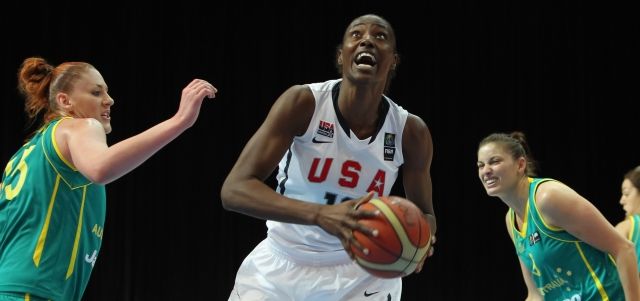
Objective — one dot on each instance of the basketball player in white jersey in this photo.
(337, 143)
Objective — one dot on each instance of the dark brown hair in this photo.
(634, 176)
(516, 144)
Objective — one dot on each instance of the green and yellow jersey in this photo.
(634, 233)
(562, 266)
(51, 222)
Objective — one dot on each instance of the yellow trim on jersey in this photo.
(535, 269)
(525, 222)
(55, 144)
(552, 228)
(631, 228)
(46, 155)
(37, 254)
(601, 290)
(76, 241)
(550, 235)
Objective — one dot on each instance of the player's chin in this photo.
(107, 128)
(491, 191)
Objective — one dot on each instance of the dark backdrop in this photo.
(565, 73)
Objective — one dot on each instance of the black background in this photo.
(565, 73)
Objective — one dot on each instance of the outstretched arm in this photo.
(83, 141)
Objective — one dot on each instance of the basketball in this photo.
(403, 240)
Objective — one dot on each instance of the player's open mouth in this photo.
(365, 59)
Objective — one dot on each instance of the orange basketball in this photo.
(403, 240)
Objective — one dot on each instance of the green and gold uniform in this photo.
(51, 222)
(562, 266)
(634, 233)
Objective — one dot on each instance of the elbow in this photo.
(628, 248)
(228, 196)
(625, 249)
(97, 175)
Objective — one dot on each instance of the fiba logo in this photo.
(389, 146)
(389, 139)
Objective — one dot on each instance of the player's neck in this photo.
(359, 105)
(517, 199)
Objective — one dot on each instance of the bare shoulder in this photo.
(298, 94)
(416, 139)
(292, 111)
(560, 205)
(295, 100)
(624, 227)
(554, 193)
(78, 125)
(415, 126)
(72, 133)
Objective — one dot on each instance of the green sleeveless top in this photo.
(562, 266)
(51, 222)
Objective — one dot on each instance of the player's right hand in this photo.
(342, 219)
(192, 96)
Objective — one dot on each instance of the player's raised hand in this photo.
(192, 96)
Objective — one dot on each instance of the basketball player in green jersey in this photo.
(567, 249)
(630, 201)
(52, 194)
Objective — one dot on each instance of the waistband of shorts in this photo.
(309, 258)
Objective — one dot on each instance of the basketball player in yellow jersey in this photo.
(567, 249)
(336, 142)
(52, 195)
(630, 201)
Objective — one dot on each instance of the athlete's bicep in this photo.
(562, 207)
(289, 117)
(86, 143)
(417, 150)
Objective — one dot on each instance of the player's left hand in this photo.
(429, 254)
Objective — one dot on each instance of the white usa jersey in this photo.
(329, 164)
